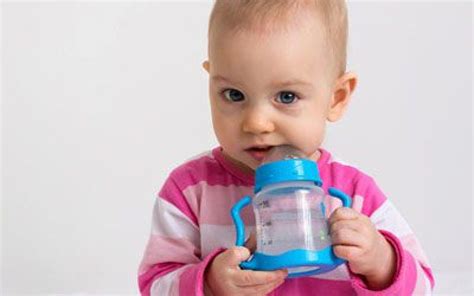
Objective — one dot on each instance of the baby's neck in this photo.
(315, 156)
(241, 166)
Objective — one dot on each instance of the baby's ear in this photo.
(205, 65)
(341, 96)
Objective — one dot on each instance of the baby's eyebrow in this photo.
(291, 82)
(278, 84)
(219, 77)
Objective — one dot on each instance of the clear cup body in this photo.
(290, 215)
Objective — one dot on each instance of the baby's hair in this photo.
(267, 15)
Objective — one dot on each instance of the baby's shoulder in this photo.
(353, 181)
(340, 172)
(200, 167)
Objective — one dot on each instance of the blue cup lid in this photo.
(286, 170)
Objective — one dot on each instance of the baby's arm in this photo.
(172, 263)
(412, 274)
(418, 277)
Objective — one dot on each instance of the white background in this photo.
(101, 100)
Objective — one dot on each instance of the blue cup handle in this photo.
(239, 224)
(346, 200)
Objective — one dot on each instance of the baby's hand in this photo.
(224, 276)
(368, 253)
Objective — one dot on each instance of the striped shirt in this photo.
(191, 224)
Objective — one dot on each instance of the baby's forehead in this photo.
(296, 28)
(266, 17)
(274, 57)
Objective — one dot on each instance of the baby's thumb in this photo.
(235, 255)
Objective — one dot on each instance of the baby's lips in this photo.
(259, 148)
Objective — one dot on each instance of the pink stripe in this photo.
(204, 168)
(353, 182)
(212, 170)
(247, 178)
(191, 281)
(173, 194)
(410, 242)
(215, 209)
(405, 277)
(314, 286)
(373, 196)
(339, 176)
(193, 195)
(161, 249)
(207, 169)
(410, 275)
(145, 280)
(429, 275)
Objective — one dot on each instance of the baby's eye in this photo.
(233, 95)
(286, 97)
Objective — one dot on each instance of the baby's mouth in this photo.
(258, 152)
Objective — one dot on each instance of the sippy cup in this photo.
(291, 227)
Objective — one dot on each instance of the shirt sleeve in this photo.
(172, 263)
(413, 275)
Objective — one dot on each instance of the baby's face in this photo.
(269, 89)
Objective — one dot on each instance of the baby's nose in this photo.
(257, 121)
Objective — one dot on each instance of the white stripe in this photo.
(216, 236)
(169, 221)
(427, 284)
(387, 217)
(168, 284)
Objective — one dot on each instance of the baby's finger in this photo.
(347, 237)
(341, 224)
(348, 253)
(343, 213)
(248, 278)
(235, 255)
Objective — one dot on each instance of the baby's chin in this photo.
(243, 164)
(248, 166)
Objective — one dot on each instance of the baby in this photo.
(277, 76)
